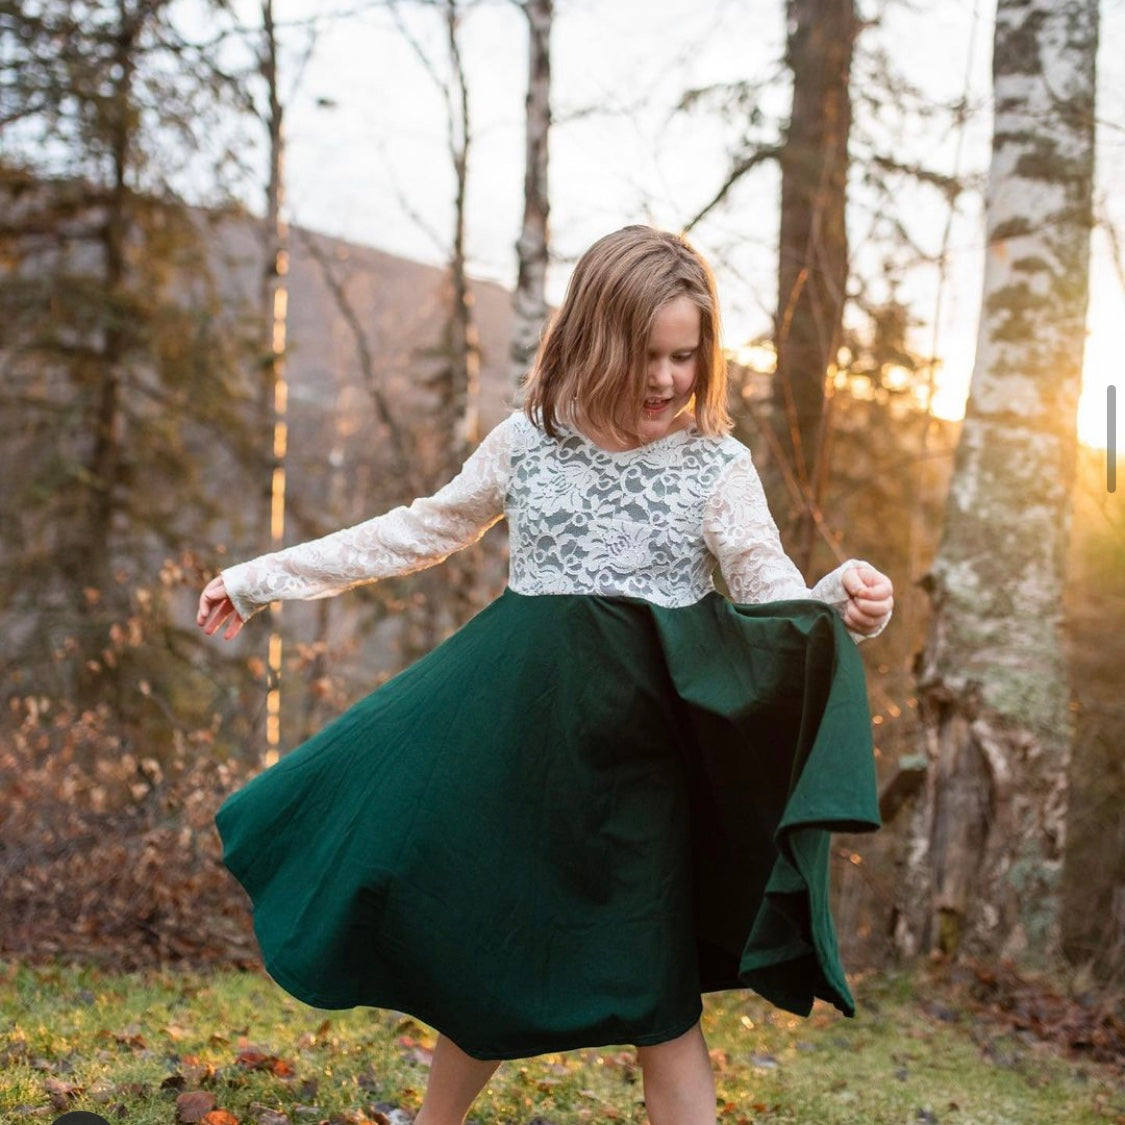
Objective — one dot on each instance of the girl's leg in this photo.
(455, 1080)
(679, 1083)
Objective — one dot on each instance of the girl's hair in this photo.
(592, 363)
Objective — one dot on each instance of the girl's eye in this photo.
(683, 357)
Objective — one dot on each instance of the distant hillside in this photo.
(400, 305)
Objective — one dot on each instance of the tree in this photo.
(529, 302)
(275, 303)
(813, 244)
(989, 827)
(456, 379)
(121, 357)
(848, 108)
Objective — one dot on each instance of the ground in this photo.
(970, 1047)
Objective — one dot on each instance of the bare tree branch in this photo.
(403, 461)
(739, 169)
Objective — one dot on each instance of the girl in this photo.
(613, 789)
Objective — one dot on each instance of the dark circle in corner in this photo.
(80, 1117)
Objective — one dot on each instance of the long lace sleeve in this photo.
(403, 540)
(740, 532)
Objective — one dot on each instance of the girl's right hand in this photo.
(215, 607)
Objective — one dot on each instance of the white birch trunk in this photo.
(464, 339)
(987, 836)
(529, 302)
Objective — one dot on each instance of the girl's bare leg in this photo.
(455, 1080)
(679, 1083)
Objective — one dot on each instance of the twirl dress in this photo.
(609, 792)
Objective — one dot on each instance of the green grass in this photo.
(125, 1045)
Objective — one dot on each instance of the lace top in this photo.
(650, 522)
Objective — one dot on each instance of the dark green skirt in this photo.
(567, 822)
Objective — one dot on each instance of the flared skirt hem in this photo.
(567, 822)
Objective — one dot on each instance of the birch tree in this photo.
(989, 828)
(456, 379)
(463, 390)
(529, 302)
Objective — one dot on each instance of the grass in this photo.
(126, 1045)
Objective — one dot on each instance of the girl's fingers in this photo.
(864, 614)
(222, 611)
(870, 598)
(215, 608)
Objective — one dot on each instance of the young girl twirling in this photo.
(612, 790)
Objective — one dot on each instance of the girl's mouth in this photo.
(655, 405)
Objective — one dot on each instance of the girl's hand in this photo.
(870, 598)
(215, 607)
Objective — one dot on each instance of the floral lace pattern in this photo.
(586, 520)
(649, 522)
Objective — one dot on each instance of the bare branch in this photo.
(427, 63)
(404, 462)
(408, 207)
(949, 186)
(739, 169)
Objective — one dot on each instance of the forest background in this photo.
(265, 273)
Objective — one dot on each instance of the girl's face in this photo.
(673, 352)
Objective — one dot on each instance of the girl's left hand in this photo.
(870, 598)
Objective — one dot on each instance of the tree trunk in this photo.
(104, 467)
(529, 302)
(464, 383)
(88, 560)
(813, 248)
(274, 296)
(988, 832)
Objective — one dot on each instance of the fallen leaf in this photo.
(60, 1092)
(219, 1117)
(131, 1037)
(191, 1106)
(253, 1059)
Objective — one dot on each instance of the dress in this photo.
(609, 792)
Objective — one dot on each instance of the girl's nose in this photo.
(659, 374)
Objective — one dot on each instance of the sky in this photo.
(367, 155)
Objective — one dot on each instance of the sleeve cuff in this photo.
(232, 582)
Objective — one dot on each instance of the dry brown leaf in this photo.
(61, 1092)
(193, 1105)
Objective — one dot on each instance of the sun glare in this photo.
(1102, 365)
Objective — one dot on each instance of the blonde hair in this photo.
(593, 360)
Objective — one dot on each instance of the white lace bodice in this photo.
(651, 523)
